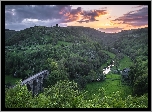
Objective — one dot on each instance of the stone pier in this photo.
(35, 82)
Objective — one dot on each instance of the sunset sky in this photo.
(106, 18)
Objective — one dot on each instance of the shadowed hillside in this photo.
(9, 33)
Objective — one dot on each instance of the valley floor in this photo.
(111, 84)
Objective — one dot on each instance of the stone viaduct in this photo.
(34, 83)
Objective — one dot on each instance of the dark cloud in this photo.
(81, 21)
(90, 16)
(26, 23)
(20, 14)
(41, 12)
(109, 30)
(70, 15)
(76, 11)
(135, 18)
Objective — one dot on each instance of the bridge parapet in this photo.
(40, 74)
(35, 82)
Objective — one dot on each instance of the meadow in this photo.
(111, 84)
(10, 79)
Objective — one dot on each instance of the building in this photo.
(125, 73)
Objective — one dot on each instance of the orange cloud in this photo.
(79, 15)
(70, 15)
(90, 16)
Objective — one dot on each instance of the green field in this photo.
(125, 63)
(11, 79)
(111, 84)
(64, 43)
(110, 54)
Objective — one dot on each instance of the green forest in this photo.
(76, 58)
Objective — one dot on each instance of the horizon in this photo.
(75, 26)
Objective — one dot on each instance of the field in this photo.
(110, 54)
(11, 79)
(111, 84)
(125, 63)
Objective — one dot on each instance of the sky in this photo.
(105, 18)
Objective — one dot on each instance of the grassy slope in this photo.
(64, 43)
(125, 63)
(111, 84)
(110, 54)
(11, 79)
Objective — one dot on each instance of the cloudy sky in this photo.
(106, 18)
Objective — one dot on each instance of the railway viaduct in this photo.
(34, 83)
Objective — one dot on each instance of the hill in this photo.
(77, 51)
(9, 33)
(75, 58)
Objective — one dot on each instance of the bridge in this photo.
(34, 83)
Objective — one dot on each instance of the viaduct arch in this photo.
(34, 83)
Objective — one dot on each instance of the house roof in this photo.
(125, 71)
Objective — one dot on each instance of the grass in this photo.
(125, 63)
(64, 43)
(111, 84)
(112, 55)
(113, 81)
(11, 79)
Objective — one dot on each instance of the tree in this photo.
(64, 94)
(56, 73)
(17, 97)
(139, 77)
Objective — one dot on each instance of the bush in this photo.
(17, 97)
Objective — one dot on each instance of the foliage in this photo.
(79, 54)
(17, 97)
(139, 77)
(65, 94)
(11, 80)
(55, 75)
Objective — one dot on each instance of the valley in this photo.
(75, 58)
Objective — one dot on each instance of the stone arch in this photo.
(40, 78)
(35, 83)
(29, 87)
(45, 75)
(34, 86)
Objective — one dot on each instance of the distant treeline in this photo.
(9, 30)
